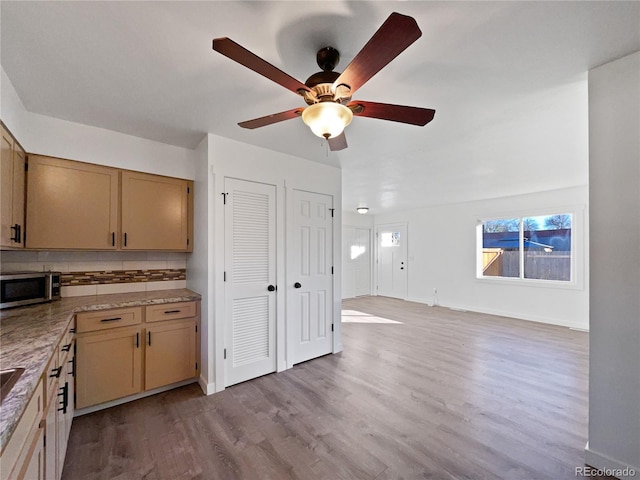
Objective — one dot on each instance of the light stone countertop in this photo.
(29, 336)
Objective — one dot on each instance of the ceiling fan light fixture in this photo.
(327, 119)
(362, 210)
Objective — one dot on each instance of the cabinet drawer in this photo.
(104, 319)
(171, 311)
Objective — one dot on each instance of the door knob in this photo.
(297, 285)
(271, 288)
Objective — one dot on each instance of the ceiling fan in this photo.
(328, 93)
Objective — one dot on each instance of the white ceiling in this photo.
(507, 80)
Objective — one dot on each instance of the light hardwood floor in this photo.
(442, 395)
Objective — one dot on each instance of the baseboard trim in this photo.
(207, 388)
(499, 313)
(610, 466)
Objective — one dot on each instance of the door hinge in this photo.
(224, 277)
(225, 353)
(224, 198)
(331, 210)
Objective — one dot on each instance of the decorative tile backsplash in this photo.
(97, 273)
(122, 276)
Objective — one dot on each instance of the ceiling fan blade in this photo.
(338, 143)
(395, 113)
(274, 118)
(232, 50)
(391, 39)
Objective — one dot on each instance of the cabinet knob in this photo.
(297, 285)
(271, 288)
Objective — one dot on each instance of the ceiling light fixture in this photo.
(362, 210)
(327, 119)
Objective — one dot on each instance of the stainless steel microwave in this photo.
(25, 288)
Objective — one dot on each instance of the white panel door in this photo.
(310, 276)
(356, 262)
(392, 260)
(250, 276)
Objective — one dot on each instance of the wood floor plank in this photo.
(442, 395)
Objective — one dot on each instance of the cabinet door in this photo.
(154, 212)
(170, 354)
(34, 467)
(12, 192)
(108, 365)
(71, 204)
(17, 211)
(50, 453)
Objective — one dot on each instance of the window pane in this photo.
(547, 247)
(390, 239)
(501, 248)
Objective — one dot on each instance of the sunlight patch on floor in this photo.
(354, 316)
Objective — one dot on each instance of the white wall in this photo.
(59, 138)
(442, 255)
(614, 189)
(200, 264)
(357, 220)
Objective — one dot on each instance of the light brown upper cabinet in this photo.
(81, 206)
(12, 192)
(154, 212)
(71, 205)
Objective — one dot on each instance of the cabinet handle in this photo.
(16, 236)
(172, 311)
(125, 239)
(149, 337)
(55, 372)
(113, 239)
(114, 319)
(66, 348)
(65, 398)
(137, 339)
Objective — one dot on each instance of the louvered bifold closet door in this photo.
(250, 268)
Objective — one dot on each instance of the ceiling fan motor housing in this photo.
(321, 83)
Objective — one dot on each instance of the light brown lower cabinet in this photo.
(170, 353)
(115, 361)
(108, 366)
(59, 386)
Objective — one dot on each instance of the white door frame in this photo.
(376, 256)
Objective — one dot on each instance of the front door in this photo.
(310, 275)
(392, 260)
(250, 280)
